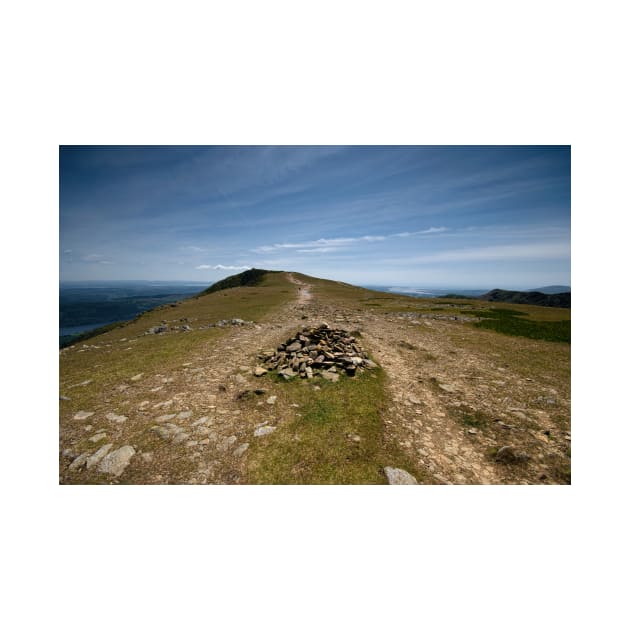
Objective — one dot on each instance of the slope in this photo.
(447, 398)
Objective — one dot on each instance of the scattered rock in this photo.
(98, 456)
(137, 377)
(272, 400)
(259, 371)
(399, 477)
(78, 461)
(507, 455)
(166, 417)
(98, 437)
(83, 415)
(63, 398)
(451, 389)
(354, 437)
(183, 415)
(330, 376)
(240, 450)
(116, 462)
(180, 437)
(264, 431)
(115, 418)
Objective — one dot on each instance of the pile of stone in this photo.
(321, 351)
(163, 327)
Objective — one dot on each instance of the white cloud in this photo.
(323, 244)
(223, 267)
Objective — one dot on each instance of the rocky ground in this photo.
(457, 406)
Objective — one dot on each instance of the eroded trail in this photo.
(185, 425)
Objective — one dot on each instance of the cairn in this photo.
(320, 351)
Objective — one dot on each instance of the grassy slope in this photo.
(113, 362)
(312, 444)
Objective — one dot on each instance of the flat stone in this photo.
(98, 456)
(78, 461)
(166, 417)
(63, 398)
(451, 389)
(259, 371)
(399, 477)
(116, 462)
(98, 437)
(272, 400)
(83, 415)
(330, 376)
(163, 432)
(183, 415)
(264, 431)
(180, 437)
(115, 417)
(191, 443)
(240, 450)
(137, 377)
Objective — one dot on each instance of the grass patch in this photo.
(470, 417)
(316, 447)
(512, 322)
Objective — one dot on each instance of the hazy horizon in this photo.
(467, 217)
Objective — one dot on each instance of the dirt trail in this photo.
(204, 440)
(304, 290)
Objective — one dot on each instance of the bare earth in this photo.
(454, 401)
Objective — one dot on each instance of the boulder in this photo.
(116, 462)
(399, 477)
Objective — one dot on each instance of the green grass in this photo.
(512, 322)
(314, 447)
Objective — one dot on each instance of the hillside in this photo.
(462, 391)
(536, 298)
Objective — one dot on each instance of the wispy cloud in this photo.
(333, 244)
(223, 267)
(526, 251)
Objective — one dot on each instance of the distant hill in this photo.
(249, 278)
(552, 289)
(535, 298)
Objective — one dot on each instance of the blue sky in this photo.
(465, 217)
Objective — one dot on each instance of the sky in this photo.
(454, 217)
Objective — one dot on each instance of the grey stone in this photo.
(163, 432)
(137, 377)
(116, 462)
(98, 437)
(264, 431)
(98, 456)
(79, 461)
(183, 415)
(115, 418)
(507, 455)
(330, 376)
(180, 437)
(166, 417)
(294, 347)
(258, 371)
(451, 389)
(240, 450)
(83, 415)
(399, 477)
